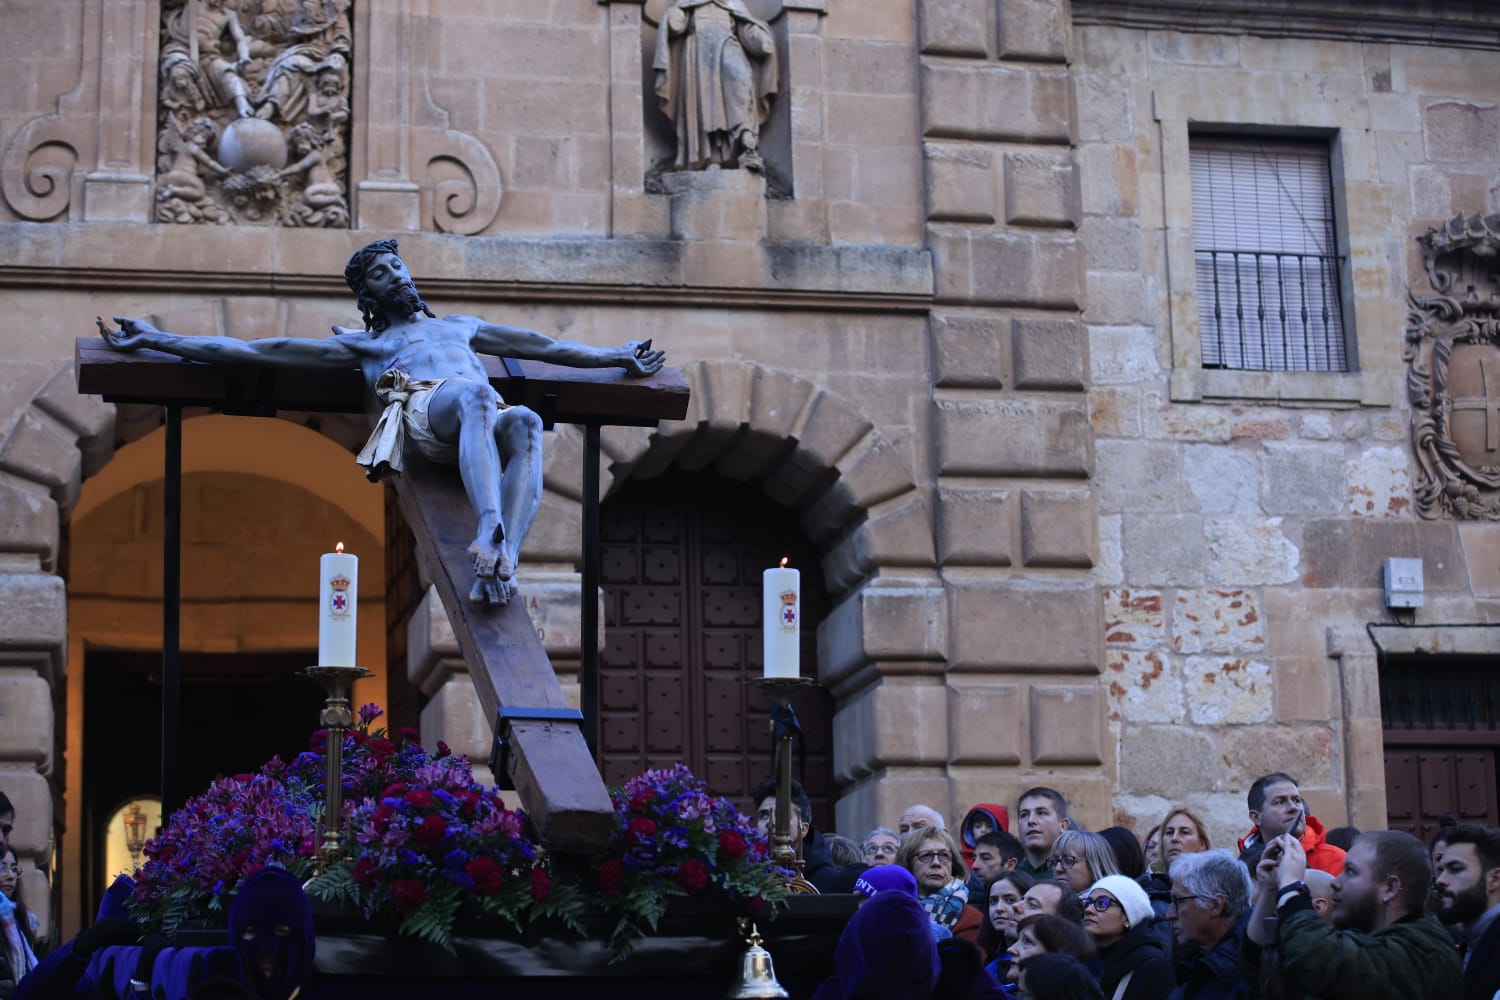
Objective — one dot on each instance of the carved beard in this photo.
(402, 302)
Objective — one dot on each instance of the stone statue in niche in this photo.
(715, 67)
(253, 112)
(1452, 352)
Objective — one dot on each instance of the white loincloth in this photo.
(406, 401)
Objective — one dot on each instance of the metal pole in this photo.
(171, 615)
(588, 681)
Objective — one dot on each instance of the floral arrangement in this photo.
(425, 843)
(672, 838)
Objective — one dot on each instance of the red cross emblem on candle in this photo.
(789, 609)
(338, 600)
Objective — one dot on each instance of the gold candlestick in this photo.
(338, 718)
(782, 851)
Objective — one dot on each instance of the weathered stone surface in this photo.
(1008, 268)
(898, 721)
(897, 537)
(1048, 353)
(1184, 47)
(26, 719)
(1302, 689)
(1480, 542)
(1458, 132)
(1138, 475)
(28, 522)
(1059, 528)
(44, 451)
(1247, 552)
(1104, 112)
(1110, 570)
(1226, 689)
(1120, 355)
(1167, 761)
(1041, 189)
(1164, 550)
(1134, 618)
(1379, 483)
(955, 27)
(1113, 243)
(1308, 752)
(1350, 553)
(454, 715)
(968, 351)
(882, 623)
(1221, 480)
(90, 417)
(1013, 438)
(31, 796)
(1143, 686)
(974, 526)
(1301, 478)
(1109, 180)
(1067, 724)
(997, 103)
(984, 723)
(1023, 626)
(960, 183)
(1037, 29)
(1218, 621)
(1115, 412)
(33, 616)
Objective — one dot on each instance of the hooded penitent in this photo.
(270, 925)
(886, 951)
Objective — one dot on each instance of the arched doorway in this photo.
(682, 559)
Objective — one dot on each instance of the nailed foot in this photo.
(494, 574)
(492, 591)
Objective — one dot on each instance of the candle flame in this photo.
(339, 548)
(783, 562)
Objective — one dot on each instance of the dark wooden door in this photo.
(682, 561)
(1441, 719)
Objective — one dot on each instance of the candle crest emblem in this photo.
(789, 610)
(338, 597)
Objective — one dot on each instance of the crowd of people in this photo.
(1057, 912)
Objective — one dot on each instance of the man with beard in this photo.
(428, 373)
(1468, 896)
(1380, 944)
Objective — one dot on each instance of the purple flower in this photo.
(368, 713)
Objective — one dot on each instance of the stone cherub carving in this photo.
(715, 67)
(428, 374)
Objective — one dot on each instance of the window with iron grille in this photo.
(1267, 256)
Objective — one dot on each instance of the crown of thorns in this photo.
(354, 272)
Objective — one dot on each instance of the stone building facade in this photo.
(953, 323)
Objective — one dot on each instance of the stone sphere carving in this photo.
(252, 142)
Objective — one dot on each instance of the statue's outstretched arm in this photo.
(290, 352)
(636, 357)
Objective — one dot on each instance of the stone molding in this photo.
(1474, 24)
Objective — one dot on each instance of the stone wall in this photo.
(1243, 517)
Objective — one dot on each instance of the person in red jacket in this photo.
(982, 819)
(1276, 807)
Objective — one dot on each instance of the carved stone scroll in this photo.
(1452, 352)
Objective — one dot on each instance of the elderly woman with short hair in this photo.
(1080, 858)
(933, 858)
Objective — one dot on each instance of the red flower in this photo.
(430, 833)
(756, 904)
(641, 830)
(732, 845)
(318, 741)
(409, 893)
(468, 802)
(443, 750)
(381, 817)
(395, 791)
(608, 876)
(692, 876)
(382, 747)
(359, 737)
(408, 733)
(541, 885)
(486, 875)
(419, 797)
(364, 871)
(642, 801)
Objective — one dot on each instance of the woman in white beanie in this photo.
(1116, 913)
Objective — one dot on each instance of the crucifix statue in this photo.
(428, 375)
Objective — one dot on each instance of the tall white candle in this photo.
(338, 608)
(781, 603)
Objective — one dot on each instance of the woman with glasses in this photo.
(1080, 858)
(933, 859)
(1117, 915)
(17, 926)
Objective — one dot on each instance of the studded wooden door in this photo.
(682, 560)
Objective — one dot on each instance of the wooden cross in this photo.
(547, 757)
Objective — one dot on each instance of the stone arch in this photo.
(808, 448)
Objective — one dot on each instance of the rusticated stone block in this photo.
(973, 526)
(1048, 353)
(31, 796)
(1458, 132)
(1013, 438)
(1013, 268)
(455, 716)
(43, 451)
(831, 429)
(557, 534)
(882, 623)
(28, 522)
(1024, 626)
(1041, 189)
(898, 721)
(984, 723)
(1059, 528)
(1067, 724)
(898, 537)
(777, 400)
(968, 351)
(869, 475)
(960, 183)
(954, 27)
(26, 719)
(1035, 29)
(33, 618)
(717, 204)
(875, 800)
(90, 417)
(997, 103)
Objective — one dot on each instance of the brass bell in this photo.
(757, 978)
